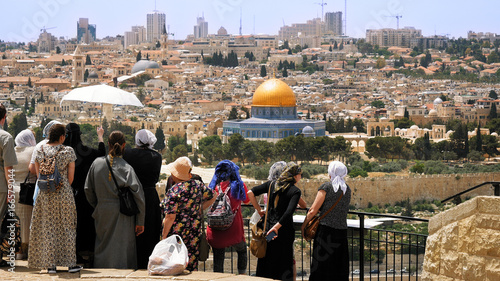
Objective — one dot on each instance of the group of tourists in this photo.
(80, 222)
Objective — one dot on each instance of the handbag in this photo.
(26, 192)
(128, 206)
(258, 243)
(312, 226)
(204, 247)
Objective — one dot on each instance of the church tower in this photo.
(78, 67)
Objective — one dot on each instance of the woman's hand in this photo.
(274, 229)
(261, 213)
(139, 229)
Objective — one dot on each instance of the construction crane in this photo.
(322, 4)
(397, 18)
(45, 29)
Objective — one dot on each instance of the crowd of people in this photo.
(80, 221)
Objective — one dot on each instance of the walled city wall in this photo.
(382, 190)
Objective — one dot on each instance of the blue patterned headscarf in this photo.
(227, 170)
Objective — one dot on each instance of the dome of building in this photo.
(438, 101)
(93, 75)
(142, 65)
(494, 134)
(398, 115)
(274, 92)
(308, 130)
(433, 113)
(414, 127)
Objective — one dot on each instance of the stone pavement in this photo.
(23, 273)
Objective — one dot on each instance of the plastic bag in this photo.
(256, 217)
(169, 257)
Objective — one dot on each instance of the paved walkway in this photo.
(23, 273)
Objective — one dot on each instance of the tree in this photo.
(377, 104)
(330, 49)
(285, 72)
(160, 139)
(29, 82)
(263, 71)
(233, 114)
(406, 114)
(211, 148)
(493, 57)
(493, 95)
(18, 124)
(236, 146)
(63, 62)
(247, 113)
(479, 140)
(423, 62)
(11, 86)
(58, 50)
(26, 105)
(87, 60)
(139, 56)
(86, 75)
(493, 111)
(380, 63)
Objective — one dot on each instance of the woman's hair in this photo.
(116, 140)
(55, 133)
(73, 133)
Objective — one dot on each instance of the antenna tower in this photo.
(241, 33)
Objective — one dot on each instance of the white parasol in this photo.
(103, 94)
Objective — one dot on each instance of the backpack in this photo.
(49, 178)
(220, 215)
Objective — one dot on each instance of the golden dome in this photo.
(274, 92)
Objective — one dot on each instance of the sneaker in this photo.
(74, 269)
(51, 270)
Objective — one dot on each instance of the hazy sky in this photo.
(22, 20)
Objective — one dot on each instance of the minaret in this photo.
(78, 67)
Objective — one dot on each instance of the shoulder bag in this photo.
(204, 247)
(128, 206)
(258, 244)
(312, 226)
(26, 192)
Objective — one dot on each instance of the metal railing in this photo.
(374, 254)
(495, 184)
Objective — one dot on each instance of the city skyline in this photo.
(25, 19)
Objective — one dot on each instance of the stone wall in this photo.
(380, 191)
(464, 242)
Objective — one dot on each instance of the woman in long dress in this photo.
(115, 232)
(182, 207)
(330, 257)
(227, 176)
(85, 156)
(53, 225)
(25, 144)
(147, 166)
(283, 199)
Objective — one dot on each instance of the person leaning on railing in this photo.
(330, 257)
(283, 199)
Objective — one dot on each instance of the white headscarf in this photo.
(145, 137)
(25, 138)
(337, 172)
(47, 127)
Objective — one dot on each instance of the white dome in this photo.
(438, 101)
(433, 113)
(494, 134)
(414, 127)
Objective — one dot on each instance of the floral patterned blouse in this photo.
(185, 200)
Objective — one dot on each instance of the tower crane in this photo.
(322, 4)
(45, 29)
(395, 16)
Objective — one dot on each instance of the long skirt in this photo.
(330, 258)
(53, 230)
(278, 262)
(147, 241)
